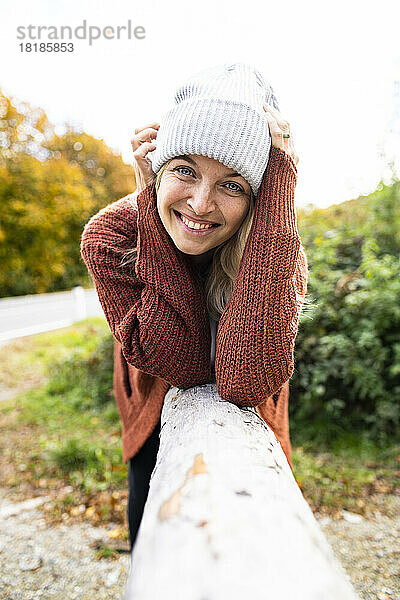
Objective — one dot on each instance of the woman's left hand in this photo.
(277, 127)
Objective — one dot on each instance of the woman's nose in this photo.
(202, 201)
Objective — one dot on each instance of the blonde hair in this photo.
(221, 275)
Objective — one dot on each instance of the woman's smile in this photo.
(194, 227)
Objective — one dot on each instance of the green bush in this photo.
(87, 464)
(72, 456)
(347, 367)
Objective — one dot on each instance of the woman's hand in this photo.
(277, 127)
(142, 144)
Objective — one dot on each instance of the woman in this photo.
(201, 273)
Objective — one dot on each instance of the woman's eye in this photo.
(180, 169)
(236, 188)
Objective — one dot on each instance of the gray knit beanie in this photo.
(218, 113)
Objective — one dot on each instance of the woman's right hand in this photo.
(142, 144)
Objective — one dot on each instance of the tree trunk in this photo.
(225, 518)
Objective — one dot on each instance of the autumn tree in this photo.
(50, 185)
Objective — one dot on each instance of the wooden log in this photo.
(225, 518)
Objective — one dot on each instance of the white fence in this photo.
(26, 315)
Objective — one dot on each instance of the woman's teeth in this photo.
(194, 225)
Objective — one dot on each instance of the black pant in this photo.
(140, 469)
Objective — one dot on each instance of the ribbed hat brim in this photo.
(229, 131)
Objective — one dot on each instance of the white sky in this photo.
(333, 65)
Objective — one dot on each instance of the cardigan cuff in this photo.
(276, 193)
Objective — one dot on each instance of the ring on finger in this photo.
(286, 129)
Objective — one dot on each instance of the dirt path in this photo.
(38, 562)
(369, 550)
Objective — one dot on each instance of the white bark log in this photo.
(225, 518)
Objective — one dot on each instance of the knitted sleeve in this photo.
(154, 307)
(257, 331)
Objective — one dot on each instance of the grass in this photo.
(61, 436)
(107, 552)
(353, 475)
(57, 438)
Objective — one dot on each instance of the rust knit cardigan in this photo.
(156, 308)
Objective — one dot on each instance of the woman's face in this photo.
(201, 190)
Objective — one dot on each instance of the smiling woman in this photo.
(222, 202)
(200, 272)
(205, 193)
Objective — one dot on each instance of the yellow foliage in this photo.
(49, 188)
